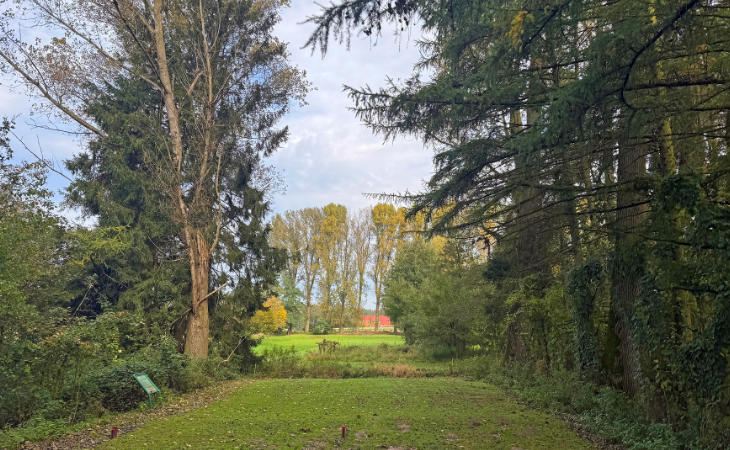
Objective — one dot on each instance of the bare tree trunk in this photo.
(342, 318)
(377, 312)
(309, 316)
(526, 201)
(516, 349)
(198, 328)
(308, 308)
(358, 313)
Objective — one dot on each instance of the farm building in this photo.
(369, 321)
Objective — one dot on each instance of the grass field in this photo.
(387, 396)
(305, 343)
(378, 413)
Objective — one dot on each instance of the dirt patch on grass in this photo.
(527, 431)
(503, 421)
(128, 422)
(398, 371)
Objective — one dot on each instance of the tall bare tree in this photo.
(311, 221)
(361, 236)
(287, 232)
(386, 225)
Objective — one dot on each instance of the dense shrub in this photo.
(322, 327)
(85, 369)
(117, 390)
(419, 293)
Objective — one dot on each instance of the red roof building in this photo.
(369, 321)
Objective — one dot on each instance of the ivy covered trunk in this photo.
(198, 326)
(527, 246)
(628, 261)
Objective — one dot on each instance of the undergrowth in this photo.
(602, 411)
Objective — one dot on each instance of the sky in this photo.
(330, 155)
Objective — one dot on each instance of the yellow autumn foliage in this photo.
(517, 27)
(271, 318)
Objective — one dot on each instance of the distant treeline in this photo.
(334, 260)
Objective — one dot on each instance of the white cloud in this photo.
(331, 156)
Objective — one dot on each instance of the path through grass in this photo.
(309, 413)
(305, 343)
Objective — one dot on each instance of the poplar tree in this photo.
(361, 235)
(332, 233)
(311, 221)
(386, 225)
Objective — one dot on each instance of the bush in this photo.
(281, 362)
(322, 327)
(115, 388)
(82, 371)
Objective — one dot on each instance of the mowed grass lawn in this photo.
(425, 413)
(305, 343)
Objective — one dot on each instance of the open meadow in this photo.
(377, 413)
(305, 343)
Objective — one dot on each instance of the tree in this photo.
(291, 297)
(115, 182)
(386, 222)
(418, 292)
(361, 236)
(34, 257)
(332, 234)
(223, 82)
(32, 249)
(286, 233)
(270, 319)
(311, 221)
(346, 301)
